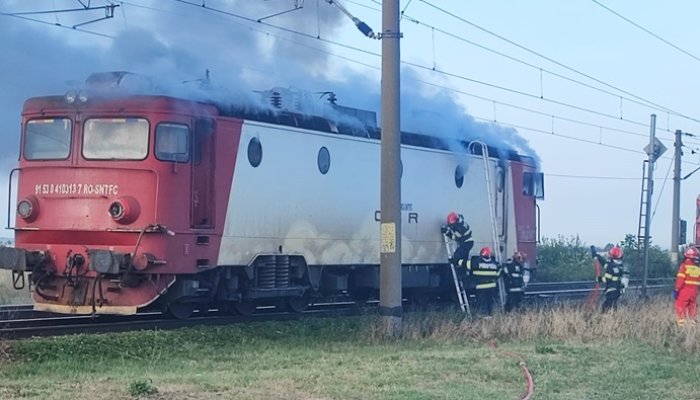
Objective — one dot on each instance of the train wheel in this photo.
(181, 310)
(298, 304)
(246, 308)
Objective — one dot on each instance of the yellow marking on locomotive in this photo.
(84, 310)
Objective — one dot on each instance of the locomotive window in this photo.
(324, 160)
(459, 176)
(115, 139)
(47, 139)
(172, 142)
(254, 152)
(533, 184)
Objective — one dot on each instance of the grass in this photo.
(8, 295)
(634, 353)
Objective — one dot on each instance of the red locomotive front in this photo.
(114, 199)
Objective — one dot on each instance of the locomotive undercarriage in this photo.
(286, 282)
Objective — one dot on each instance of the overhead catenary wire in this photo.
(668, 42)
(538, 54)
(425, 82)
(536, 67)
(415, 65)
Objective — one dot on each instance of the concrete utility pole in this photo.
(390, 295)
(675, 232)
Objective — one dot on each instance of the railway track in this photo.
(21, 321)
(47, 324)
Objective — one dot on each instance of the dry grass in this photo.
(8, 295)
(5, 355)
(651, 323)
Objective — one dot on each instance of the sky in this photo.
(568, 82)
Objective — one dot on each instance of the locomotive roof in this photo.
(364, 127)
(311, 122)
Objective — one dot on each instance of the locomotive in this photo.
(133, 200)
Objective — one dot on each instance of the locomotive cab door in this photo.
(202, 185)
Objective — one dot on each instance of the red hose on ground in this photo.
(523, 367)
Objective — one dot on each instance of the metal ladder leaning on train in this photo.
(129, 200)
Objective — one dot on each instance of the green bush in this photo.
(569, 259)
(141, 387)
(564, 259)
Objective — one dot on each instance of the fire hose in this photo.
(523, 367)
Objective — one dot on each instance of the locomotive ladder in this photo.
(492, 211)
(642, 230)
(462, 295)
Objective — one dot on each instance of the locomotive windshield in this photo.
(47, 139)
(115, 139)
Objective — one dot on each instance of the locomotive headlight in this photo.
(124, 210)
(71, 96)
(116, 210)
(82, 97)
(28, 209)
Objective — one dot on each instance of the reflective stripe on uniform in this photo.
(694, 283)
(486, 285)
(680, 275)
(485, 273)
(517, 289)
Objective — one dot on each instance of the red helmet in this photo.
(485, 252)
(615, 253)
(691, 252)
(452, 218)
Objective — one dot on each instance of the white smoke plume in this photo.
(177, 42)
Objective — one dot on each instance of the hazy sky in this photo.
(575, 80)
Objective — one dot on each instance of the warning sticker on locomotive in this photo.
(76, 189)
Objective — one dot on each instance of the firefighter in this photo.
(459, 231)
(685, 291)
(613, 276)
(514, 273)
(483, 273)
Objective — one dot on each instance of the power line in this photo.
(541, 97)
(522, 47)
(454, 90)
(415, 65)
(444, 87)
(512, 58)
(647, 31)
(591, 177)
(58, 25)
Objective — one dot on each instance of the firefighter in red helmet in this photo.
(483, 272)
(614, 276)
(685, 291)
(459, 231)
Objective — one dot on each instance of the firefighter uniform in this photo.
(514, 271)
(686, 289)
(483, 273)
(614, 271)
(459, 231)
